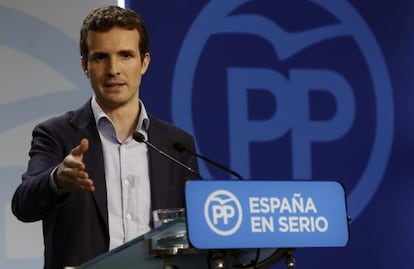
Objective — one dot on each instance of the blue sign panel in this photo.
(266, 214)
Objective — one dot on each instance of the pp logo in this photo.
(280, 75)
(223, 212)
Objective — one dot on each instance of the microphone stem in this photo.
(174, 160)
(217, 164)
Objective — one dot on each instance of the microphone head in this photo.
(179, 147)
(137, 136)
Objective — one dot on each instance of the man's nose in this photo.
(113, 67)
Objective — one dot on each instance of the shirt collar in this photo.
(143, 119)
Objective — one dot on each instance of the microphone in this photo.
(181, 148)
(140, 138)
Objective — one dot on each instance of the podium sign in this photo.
(266, 214)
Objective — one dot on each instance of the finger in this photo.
(84, 184)
(71, 162)
(79, 150)
(72, 173)
(71, 183)
(87, 185)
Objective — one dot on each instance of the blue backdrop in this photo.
(298, 90)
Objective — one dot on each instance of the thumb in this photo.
(81, 148)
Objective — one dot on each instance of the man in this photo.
(92, 185)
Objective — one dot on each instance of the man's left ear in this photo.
(145, 63)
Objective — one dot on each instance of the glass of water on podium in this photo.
(162, 216)
(172, 237)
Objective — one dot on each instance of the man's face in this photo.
(115, 67)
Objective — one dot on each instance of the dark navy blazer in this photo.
(75, 224)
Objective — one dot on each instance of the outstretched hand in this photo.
(71, 173)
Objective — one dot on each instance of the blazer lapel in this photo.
(158, 167)
(93, 158)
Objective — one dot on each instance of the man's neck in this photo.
(125, 120)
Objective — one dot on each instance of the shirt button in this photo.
(126, 182)
(128, 216)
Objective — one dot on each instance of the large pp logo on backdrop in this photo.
(291, 90)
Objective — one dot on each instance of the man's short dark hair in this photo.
(105, 18)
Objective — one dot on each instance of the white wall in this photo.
(40, 76)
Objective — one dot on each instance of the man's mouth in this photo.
(113, 85)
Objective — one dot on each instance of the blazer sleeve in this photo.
(34, 198)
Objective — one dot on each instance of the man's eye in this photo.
(98, 57)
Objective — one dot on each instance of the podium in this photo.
(145, 252)
(229, 223)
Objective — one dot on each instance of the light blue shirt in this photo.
(127, 179)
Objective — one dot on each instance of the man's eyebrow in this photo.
(124, 51)
(127, 51)
(99, 53)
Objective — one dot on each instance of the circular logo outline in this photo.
(207, 215)
(217, 12)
